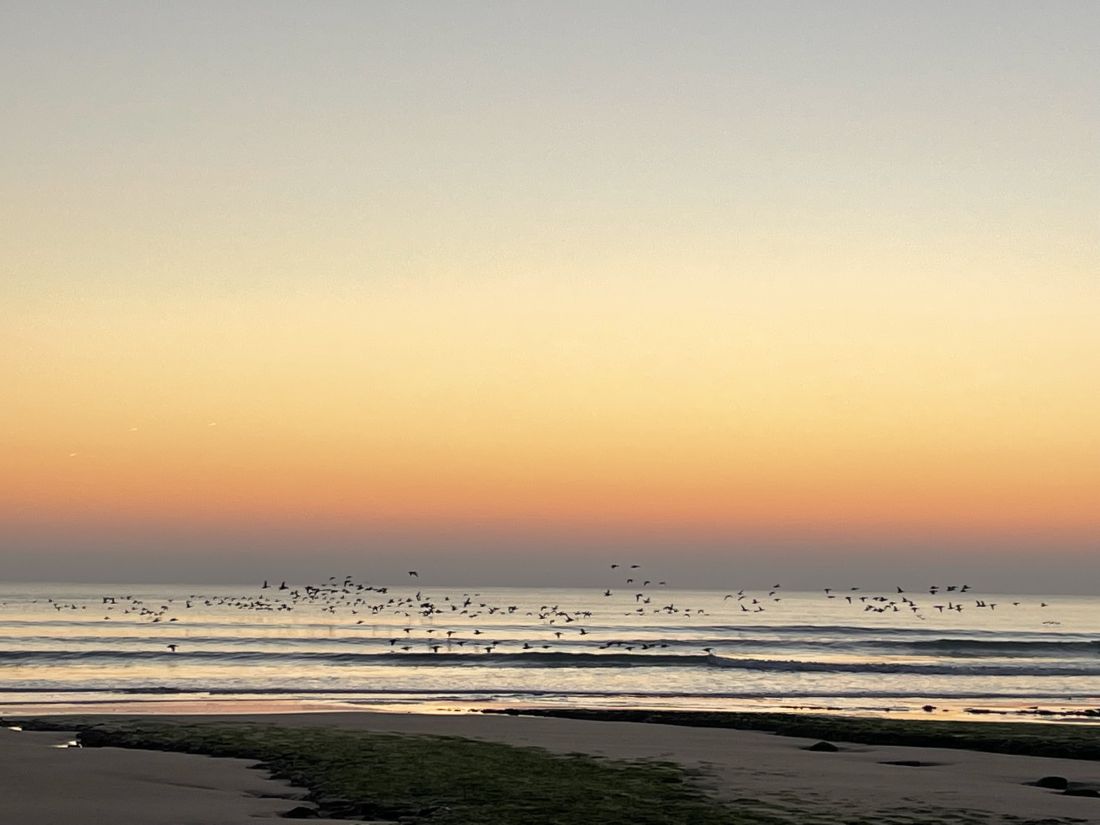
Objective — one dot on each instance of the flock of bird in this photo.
(423, 619)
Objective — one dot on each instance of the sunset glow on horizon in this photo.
(552, 283)
(470, 403)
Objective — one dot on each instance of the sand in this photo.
(42, 784)
(123, 787)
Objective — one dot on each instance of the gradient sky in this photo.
(515, 287)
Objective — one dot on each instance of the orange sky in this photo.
(386, 268)
(467, 401)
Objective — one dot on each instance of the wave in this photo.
(796, 666)
(889, 633)
(66, 694)
(947, 647)
(443, 659)
(952, 645)
(544, 659)
(1003, 646)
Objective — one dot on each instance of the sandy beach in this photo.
(44, 784)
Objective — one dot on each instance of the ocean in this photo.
(343, 644)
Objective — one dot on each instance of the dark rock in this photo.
(333, 802)
(345, 810)
(911, 763)
(928, 708)
(301, 812)
(1090, 792)
(823, 747)
(1055, 783)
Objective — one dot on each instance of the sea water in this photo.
(341, 644)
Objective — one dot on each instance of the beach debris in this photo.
(1061, 783)
(911, 763)
(1054, 783)
(822, 747)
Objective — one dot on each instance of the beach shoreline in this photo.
(868, 780)
(1084, 711)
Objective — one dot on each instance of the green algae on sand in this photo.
(436, 780)
(1063, 741)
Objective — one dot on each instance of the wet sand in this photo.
(123, 787)
(44, 784)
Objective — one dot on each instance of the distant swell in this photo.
(352, 645)
(791, 666)
(1001, 646)
(542, 659)
(368, 695)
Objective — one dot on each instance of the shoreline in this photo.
(1084, 712)
(1054, 739)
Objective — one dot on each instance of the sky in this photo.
(509, 290)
